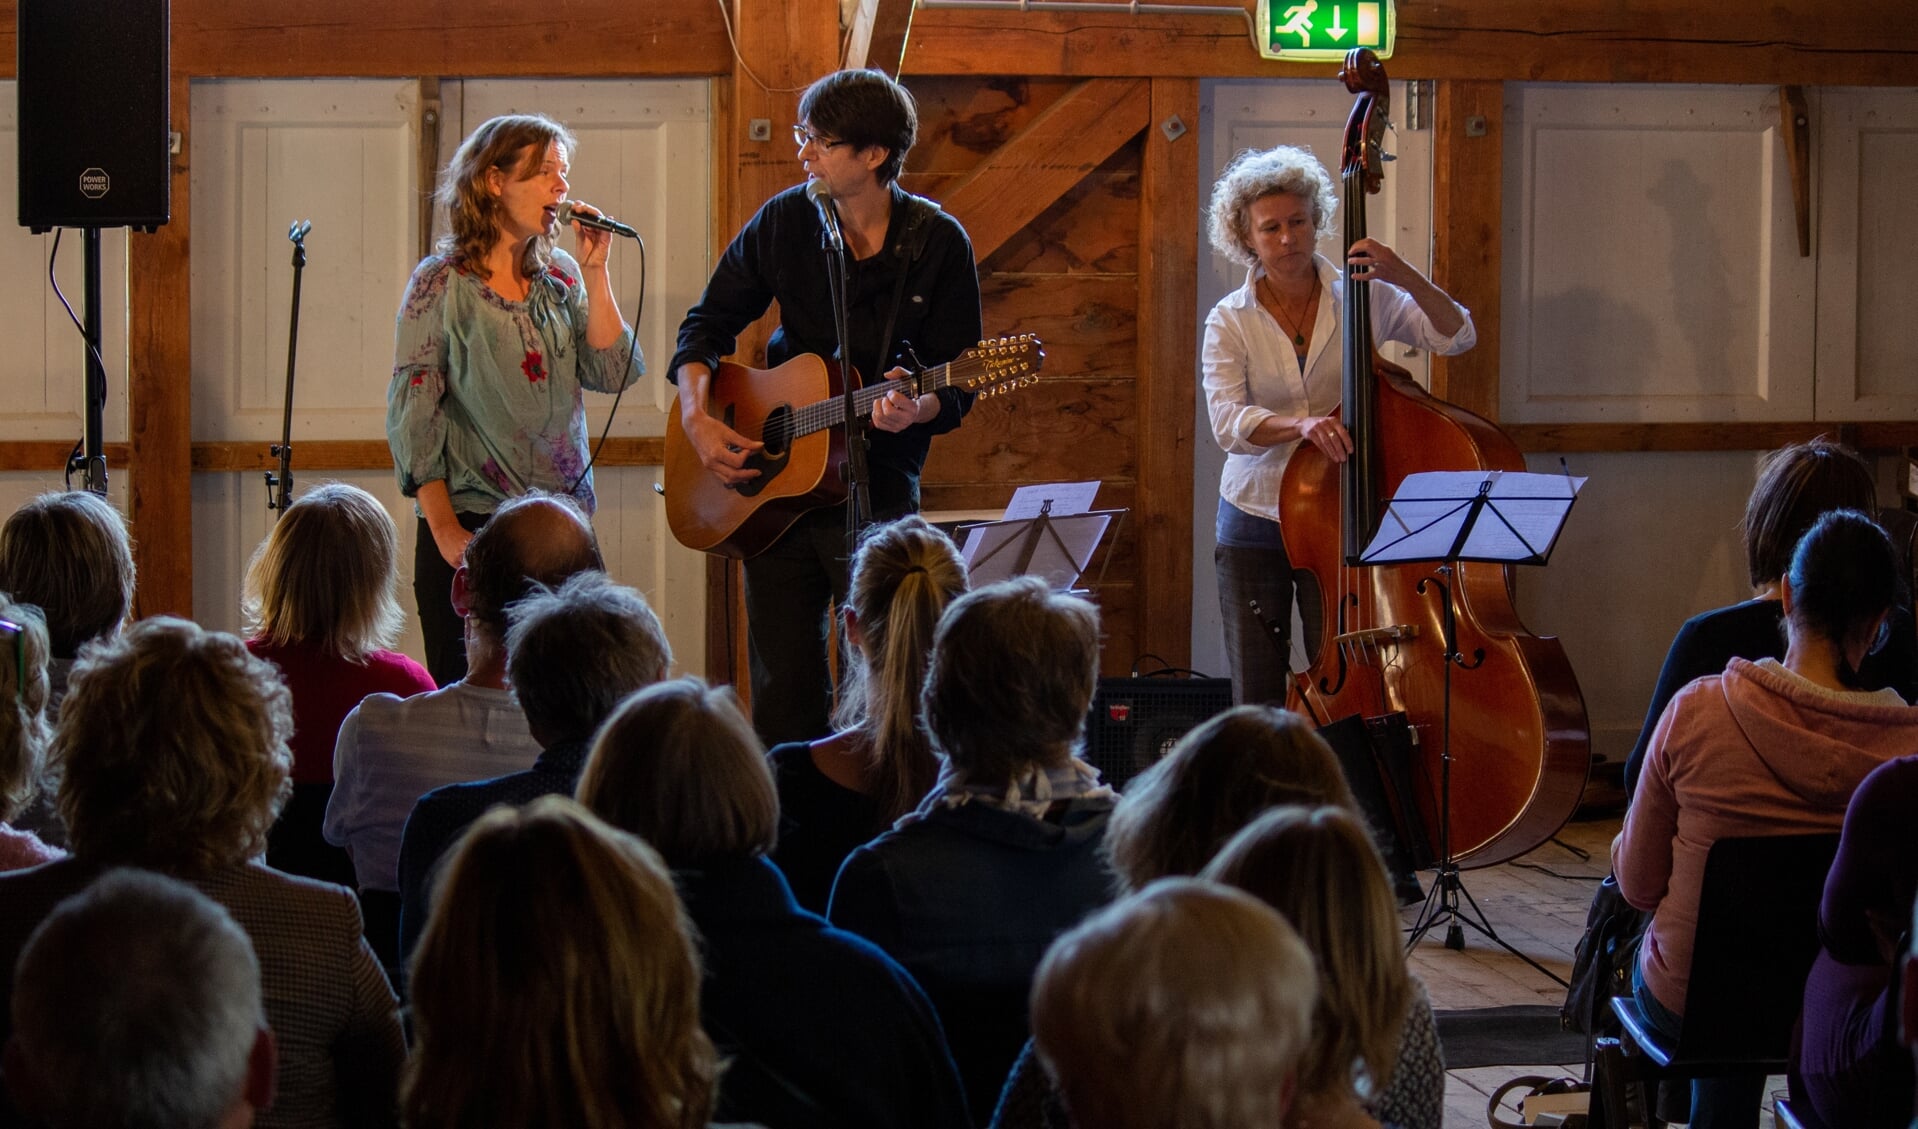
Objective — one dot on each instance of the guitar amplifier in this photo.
(1135, 721)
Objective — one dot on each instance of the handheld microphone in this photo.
(601, 223)
(821, 197)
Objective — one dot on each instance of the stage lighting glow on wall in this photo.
(1322, 31)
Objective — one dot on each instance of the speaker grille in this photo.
(1135, 720)
(93, 113)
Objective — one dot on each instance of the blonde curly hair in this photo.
(1282, 170)
(172, 741)
(23, 707)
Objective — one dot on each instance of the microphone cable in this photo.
(53, 279)
(632, 347)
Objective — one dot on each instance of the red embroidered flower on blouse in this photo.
(533, 367)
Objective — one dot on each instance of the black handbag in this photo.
(1602, 965)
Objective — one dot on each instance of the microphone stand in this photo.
(858, 490)
(279, 488)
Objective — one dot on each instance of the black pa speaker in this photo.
(93, 113)
(1134, 721)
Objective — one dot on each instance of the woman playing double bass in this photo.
(1272, 373)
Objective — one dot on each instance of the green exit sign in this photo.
(1322, 31)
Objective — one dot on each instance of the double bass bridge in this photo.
(1374, 646)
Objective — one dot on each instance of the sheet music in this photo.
(1059, 557)
(1066, 497)
(1521, 520)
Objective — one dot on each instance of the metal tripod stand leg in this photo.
(1448, 885)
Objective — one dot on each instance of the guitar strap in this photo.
(912, 244)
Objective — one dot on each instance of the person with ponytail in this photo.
(840, 791)
(1767, 748)
(24, 732)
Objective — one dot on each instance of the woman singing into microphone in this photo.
(498, 333)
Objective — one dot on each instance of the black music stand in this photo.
(1057, 548)
(1497, 517)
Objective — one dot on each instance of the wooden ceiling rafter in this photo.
(1047, 158)
(877, 36)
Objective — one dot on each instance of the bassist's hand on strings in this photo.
(896, 411)
(1328, 435)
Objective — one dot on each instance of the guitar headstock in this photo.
(1000, 365)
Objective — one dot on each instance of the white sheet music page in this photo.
(1520, 521)
(1066, 498)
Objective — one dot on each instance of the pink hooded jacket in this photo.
(1753, 751)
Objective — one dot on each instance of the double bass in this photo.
(1518, 736)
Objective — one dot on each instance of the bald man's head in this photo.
(535, 538)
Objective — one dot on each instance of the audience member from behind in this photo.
(23, 730)
(556, 985)
(175, 755)
(319, 602)
(839, 791)
(137, 1003)
(1176, 816)
(572, 656)
(392, 750)
(67, 554)
(1186, 1006)
(1795, 485)
(1003, 855)
(1319, 869)
(1766, 748)
(818, 1027)
(1848, 1071)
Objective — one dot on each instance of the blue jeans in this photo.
(1717, 1103)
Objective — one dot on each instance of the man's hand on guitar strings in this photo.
(722, 450)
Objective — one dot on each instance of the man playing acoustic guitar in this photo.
(913, 283)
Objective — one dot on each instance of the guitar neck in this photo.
(823, 414)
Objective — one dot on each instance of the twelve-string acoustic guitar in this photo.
(797, 410)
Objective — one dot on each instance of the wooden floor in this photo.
(1537, 905)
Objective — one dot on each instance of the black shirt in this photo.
(778, 256)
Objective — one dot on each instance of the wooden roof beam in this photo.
(877, 37)
(1043, 161)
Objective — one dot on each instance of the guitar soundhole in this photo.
(770, 459)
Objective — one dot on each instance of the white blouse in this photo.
(1252, 373)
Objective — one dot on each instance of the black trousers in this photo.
(444, 629)
(791, 591)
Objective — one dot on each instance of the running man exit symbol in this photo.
(1324, 30)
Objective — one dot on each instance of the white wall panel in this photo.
(1867, 142)
(341, 154)
(1651, 258)
(43, 368)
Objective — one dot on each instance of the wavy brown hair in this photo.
(23, 706)
(327, 574)
(514, 144)
(557, 984)
(1014, 665)
(1319, 869)
(67, 553)
(1795, 485)
(679, 765)
(1219, 777)
(903, 576)
(172, 744)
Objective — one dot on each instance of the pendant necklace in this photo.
(1297, 329)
